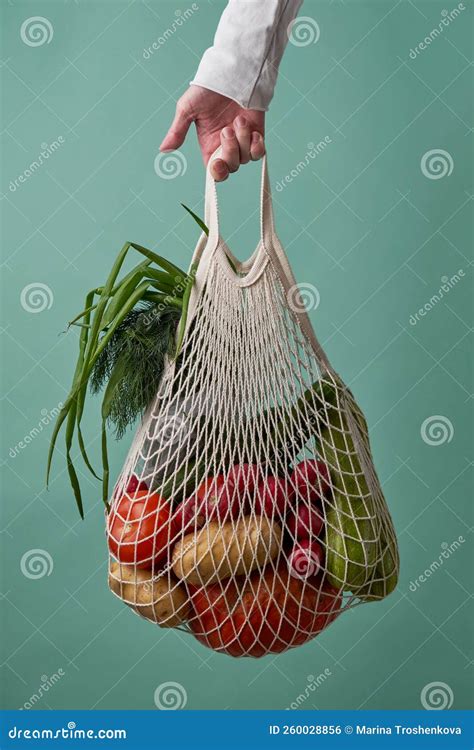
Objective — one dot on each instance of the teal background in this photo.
(362, 223)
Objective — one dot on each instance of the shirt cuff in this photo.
(224, 89)
(248, 46)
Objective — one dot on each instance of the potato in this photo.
(120, 574)
(219, 551)
(159, 600)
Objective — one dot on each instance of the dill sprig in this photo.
(133, 360)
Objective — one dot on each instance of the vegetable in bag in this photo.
(266, 614)
(157, 600)
(279, 523)
(248, 512)
(221, 551)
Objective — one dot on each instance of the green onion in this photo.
(116, 348)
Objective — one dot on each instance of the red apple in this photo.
(306, 559)
(220, 499)
(190, 514)
(311, 479)
(272, 497)
(245, 478)
(134, 485)
(306, 521)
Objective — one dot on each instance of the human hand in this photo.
(219, 121)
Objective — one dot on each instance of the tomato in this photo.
(311, 479)
(264, 614)
(140, 529)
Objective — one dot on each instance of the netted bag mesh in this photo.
(248, 511)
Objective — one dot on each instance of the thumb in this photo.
(178, 130)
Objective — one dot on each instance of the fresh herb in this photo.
(127, 327)
(133, 361)
(102, 322)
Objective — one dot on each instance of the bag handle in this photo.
(206, 246)
(211, 210)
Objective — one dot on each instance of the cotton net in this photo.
(250, 481)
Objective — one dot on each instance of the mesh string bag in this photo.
(248, 512)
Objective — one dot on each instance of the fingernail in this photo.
(241, 122)
(220, 168)
(256, 137)
(228, 133)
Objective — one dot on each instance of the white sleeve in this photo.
(248, 46)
